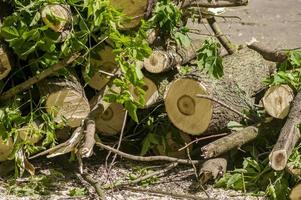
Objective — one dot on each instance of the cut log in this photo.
(212, 169)
(161, 61)
(277, 101)
(133, 10)
(5, 64)
(57, 17)
(270, 55)
(172, 146)
(111, 120)
(31, 133)
(151, 95)
(66, 99)
(6, 148)
(296, 193)
(288, 138)
(213, 4)
(234, 140)
(103, 66)
(243, 75)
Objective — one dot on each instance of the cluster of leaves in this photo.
(209, 60)
(288, 72)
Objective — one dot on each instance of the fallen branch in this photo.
(149, 158)
(274, 56)
(234, 140)
(87, 148)
(97, 186)
(37, 78)
(220, 36)
(213, 4)
(288, 138)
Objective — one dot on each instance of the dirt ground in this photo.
(275, 23)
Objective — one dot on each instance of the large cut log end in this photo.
(277, 101)
(31, 133)
(5, 64)
(111, 120)
(190, 114)
(278, 160)
(157, 62)
(296, 193)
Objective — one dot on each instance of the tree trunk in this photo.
(277, 101)
(66, 99)
(288, 138)
(244, 72)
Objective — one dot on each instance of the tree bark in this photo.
(244, 72)
(234, 140)
(270, 55)
(66, 99)
(213, 4)
(288, 138)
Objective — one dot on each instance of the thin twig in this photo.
(172, 194)
(149, 158)
(224, 105)
(202, 138)
(95, 184)
(140, 179)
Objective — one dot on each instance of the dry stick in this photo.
(288, 138)
(138, 180)
(172, 194)
(200, 139)
(95, 184)
(44, 74)
(234, 140)
(87, 148)
(224, 105)
(149, 158)
(270, 55)
(221, 37)
(206, 4)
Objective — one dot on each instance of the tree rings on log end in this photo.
(296, 193)
(151, 92)
(278, 160)
(277, 101)
(68, 104)
(31, 132)
(173, 146)
(5, 65)
(6, 148)
(133, 10)
(190, 114)
(157, 62)
(111, 120)
(104, 62)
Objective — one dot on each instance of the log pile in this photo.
(74, 90)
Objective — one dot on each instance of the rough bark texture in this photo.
(234, 140)
(212, 169)
(288, 138)
(244, 72)
(68, 96)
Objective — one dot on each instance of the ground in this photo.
(275, 23)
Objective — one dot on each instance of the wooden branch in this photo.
(147, 159)
(213, 4)
(86, 149)
(234, 140)
(212, 169)
(288, 138)
(270, 55)
(37, 78)
(220, 36)
(97, 186)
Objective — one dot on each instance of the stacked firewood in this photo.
(196, 103)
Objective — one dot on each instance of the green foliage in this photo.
(140, 172)
(208, 58)
(288, 72)
(78, 192)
